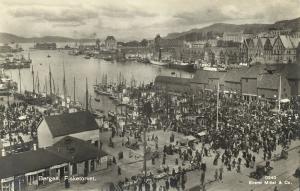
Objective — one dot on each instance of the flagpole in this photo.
(279, 96)
(217, 123)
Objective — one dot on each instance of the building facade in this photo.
(110, 43)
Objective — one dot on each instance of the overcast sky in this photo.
(134, 19)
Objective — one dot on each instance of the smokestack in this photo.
(3, 152)
(34, 146)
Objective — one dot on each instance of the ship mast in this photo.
(20, 80)
(64, 85)
(32, 72)
(54, 89)
(86, 96)
(50, 80)
(38, 81)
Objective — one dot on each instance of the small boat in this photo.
(102, 92)
(87, 57)
(48, 56)
(108, 59)
(157, 62)
(97, 99)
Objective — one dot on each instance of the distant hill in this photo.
(8, 38)
(220, 28)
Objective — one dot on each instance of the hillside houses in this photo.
(281, 49)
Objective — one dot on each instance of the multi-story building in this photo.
(110, 43)
(284, 49)
(45, 46)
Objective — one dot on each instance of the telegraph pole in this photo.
(217, 123)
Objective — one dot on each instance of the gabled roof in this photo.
(287, 43)
(295, 42)
(272, 40)
(268, 81)
(255, 41)
(263, 41)
(234, 75)
(71, 123)
(76, 150)
(202, 76)
(291, 71)
(253, 71)
(29, 161)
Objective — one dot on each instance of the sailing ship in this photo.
(159, 60)
(103, 88)
(7, 85)
(182, 65)
(17, 62)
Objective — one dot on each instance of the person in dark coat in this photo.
(167, 184)
(154, 186)
(119, 171)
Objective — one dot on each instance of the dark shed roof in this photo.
(71, 123)
(30, 161)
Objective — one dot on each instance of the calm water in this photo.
(81, 68)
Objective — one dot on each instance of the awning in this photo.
(9, 179)
(284, 100)
(202, 133)
(59, 166)
(190, 138)
(34, 173)
(23, 117)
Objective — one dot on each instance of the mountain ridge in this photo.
(220, 28)
(9, 38)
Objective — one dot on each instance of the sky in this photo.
(134, 19)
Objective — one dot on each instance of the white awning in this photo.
(9, 179)
(284, 100)
(59, 166)
(202, 133)
(35, 172)
(23, 117)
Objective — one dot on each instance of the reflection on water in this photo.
(81, 68)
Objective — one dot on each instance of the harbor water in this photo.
(81, 68)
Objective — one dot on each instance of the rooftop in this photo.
(30, 161)
(76, 150)
(71, 123)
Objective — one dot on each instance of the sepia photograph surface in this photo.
(150, 95)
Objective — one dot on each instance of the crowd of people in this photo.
(241, 134)
(19, 120)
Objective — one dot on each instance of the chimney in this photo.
(34, 146)
(3, 152)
